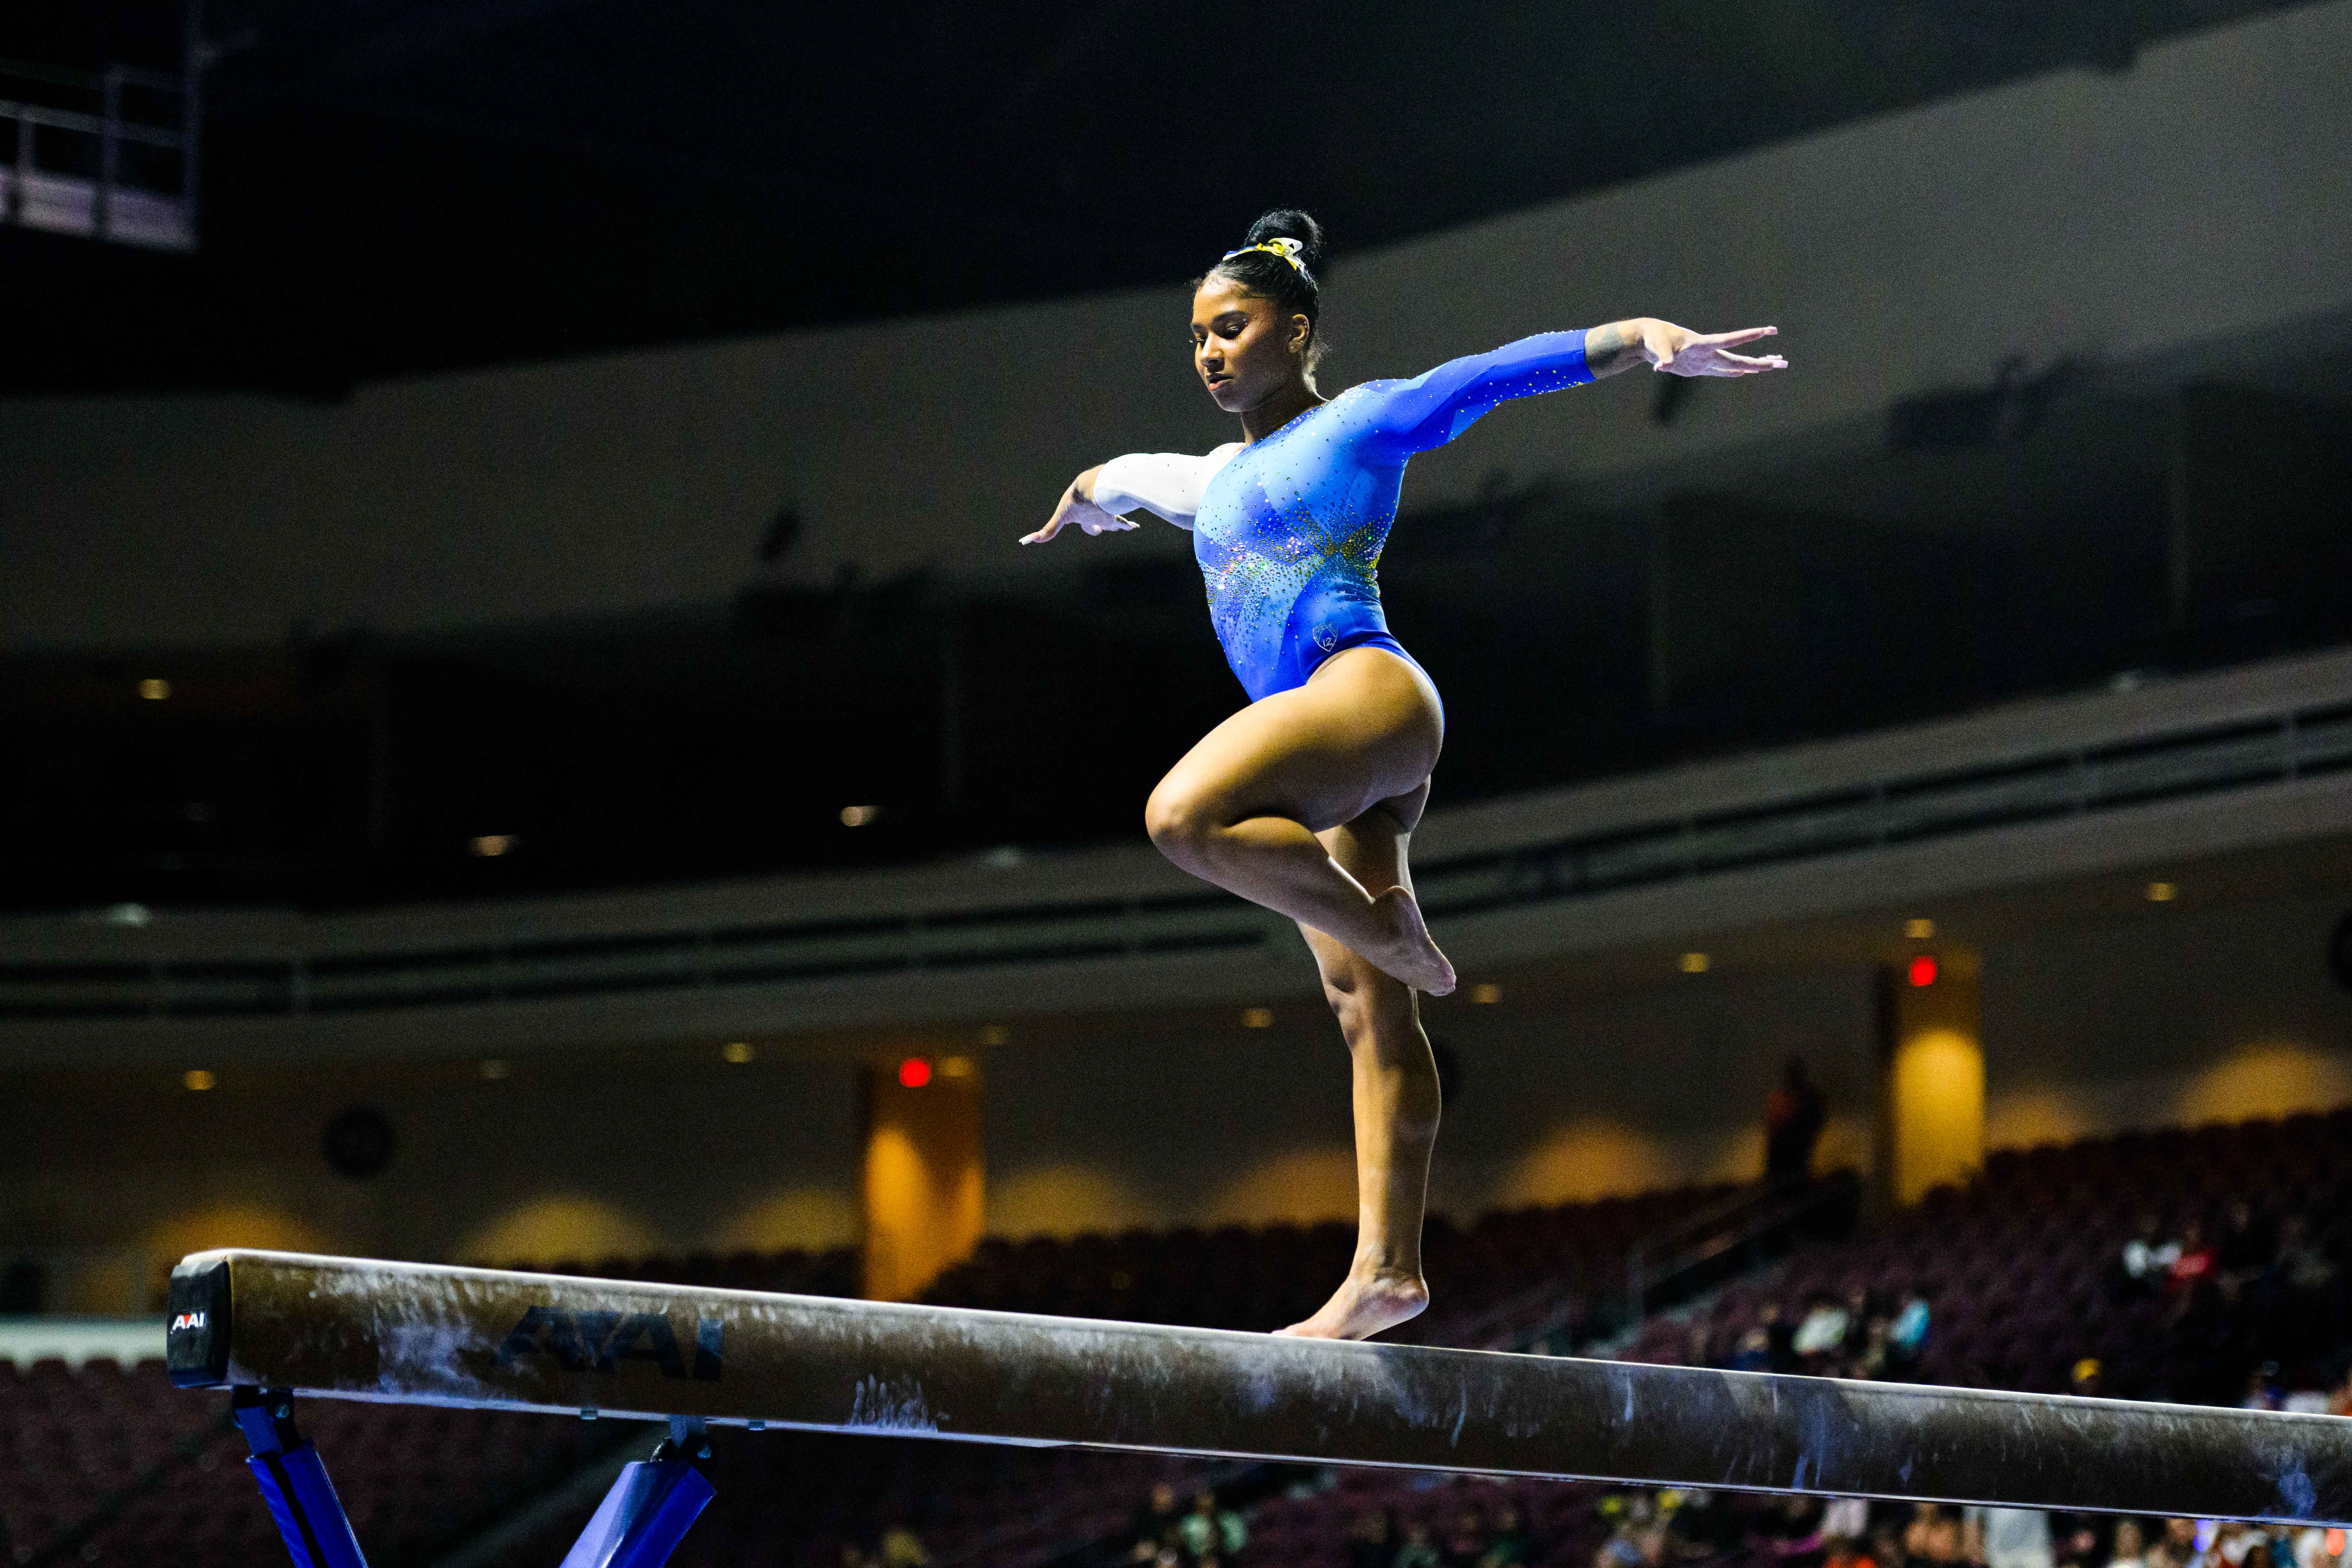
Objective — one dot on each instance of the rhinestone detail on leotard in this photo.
(1290, 530)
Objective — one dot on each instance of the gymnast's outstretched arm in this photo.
(1077, 506)
(1432, 409)
(1167, 484)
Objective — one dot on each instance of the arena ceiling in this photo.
(401, 186)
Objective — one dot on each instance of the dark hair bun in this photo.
(1289, 222)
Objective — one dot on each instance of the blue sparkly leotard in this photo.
(1288, 529)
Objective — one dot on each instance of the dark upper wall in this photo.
(396, 187)
(2193, 201)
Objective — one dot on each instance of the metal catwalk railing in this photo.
(80, 162)
(2295, 741)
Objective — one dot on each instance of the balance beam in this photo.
(352, 1329)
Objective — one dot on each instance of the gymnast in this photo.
(1304, 801)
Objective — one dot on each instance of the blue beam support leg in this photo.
(650, 1508)
(294, 1482)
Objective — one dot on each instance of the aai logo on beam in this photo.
(600, 1341)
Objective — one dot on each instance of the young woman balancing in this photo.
(1303, 800)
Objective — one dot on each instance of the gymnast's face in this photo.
(1244, 350)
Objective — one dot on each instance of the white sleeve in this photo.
(1167, 483)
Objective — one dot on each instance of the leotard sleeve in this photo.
(1167, 483)
(1432, 409)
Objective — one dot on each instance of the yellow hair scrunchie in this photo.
(1285, 248)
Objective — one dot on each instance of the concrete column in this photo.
(922, 1182)
(1931, 1129)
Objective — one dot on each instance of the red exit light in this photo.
(1923, 969)
(914, 1072)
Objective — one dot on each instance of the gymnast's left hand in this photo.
(1077, 506)
(1678, 351)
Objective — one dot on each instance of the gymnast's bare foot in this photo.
(1367, 1301)
(1409, 953)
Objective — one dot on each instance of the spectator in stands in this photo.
(2006, 1537)
(2176, 1545)
(1754, 1350)
(2318, 1548)
(1158, 1514)
(1822, 1333)
(2085, 1377)
(1886, 1537)
(1793, 1116)
(1701, 1524)
(1638, 1541)
(2306, 1310)
(2247, 1247)
(2081, 1540)
(1210, 1530)
(1791, 1528)
(1372, 1542)
(1466, 1543)
(2263, 1391)
(1846, 1552)
(1906, 1337)
(1845, 1530)
(1510, 1545)
(2309, 1402)
(1861, 1305)
(1876, 1356)
(2192, 1262)
(2229, 1543)
(2205, 1361)
(902, 1548)
(1417, 1551)
(2129, 1546)
(2147, 1260)
(1933, 1539)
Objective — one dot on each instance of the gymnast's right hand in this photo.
(1077, 506)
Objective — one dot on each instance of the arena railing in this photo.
(67, 173)
(1889, 806)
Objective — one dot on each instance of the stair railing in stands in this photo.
(1733, 1235)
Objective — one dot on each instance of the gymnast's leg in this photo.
(1243, 807)
(1396, 1098)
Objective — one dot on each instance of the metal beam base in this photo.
(302, 1501)
(650, 1508)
